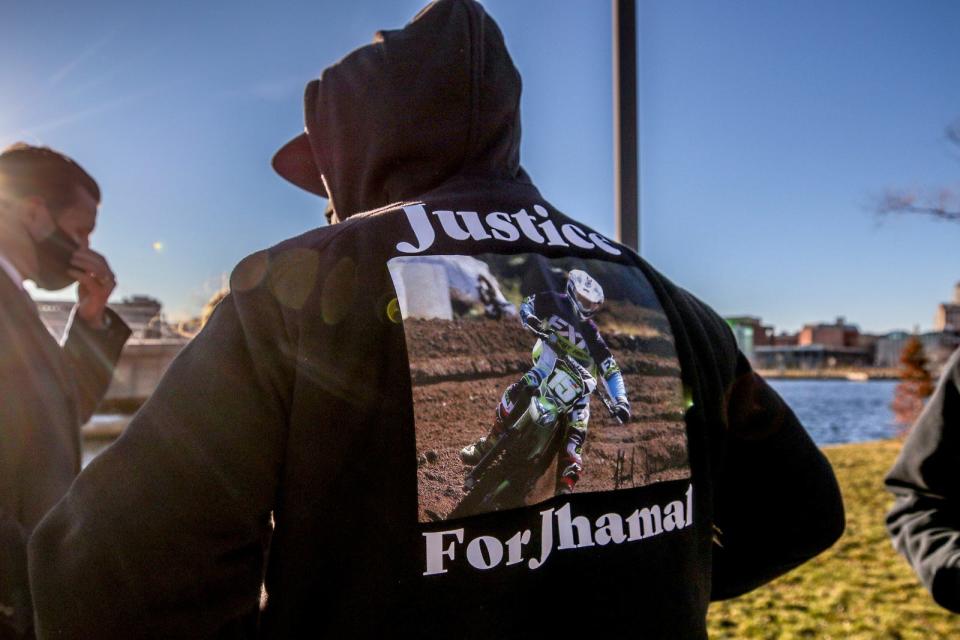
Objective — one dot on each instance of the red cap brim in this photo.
(294, 162)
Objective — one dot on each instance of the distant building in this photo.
(141, 313)
(784, 339)
(810, 356)
(868, 342)
(937, 345)
(948, 313)
(750, 333)
(762, 345)
(817, 346)
(762, 334)
(838, 334)
(840, 344)
(152, 347)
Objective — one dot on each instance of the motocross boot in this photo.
(514, 399)
(571, 462)
(473, 453)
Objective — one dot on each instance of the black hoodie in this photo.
(336, 384)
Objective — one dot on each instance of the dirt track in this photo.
(461, 367)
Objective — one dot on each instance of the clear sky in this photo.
(766, 130)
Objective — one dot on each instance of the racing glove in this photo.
(538, 326)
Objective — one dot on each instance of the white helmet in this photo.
(585, 293)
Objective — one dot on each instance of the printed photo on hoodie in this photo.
(519, 365)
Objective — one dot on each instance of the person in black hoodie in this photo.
(297, 399)
(924, 522)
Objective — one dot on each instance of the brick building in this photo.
(784, 339)
(817, 346)
(837, 334)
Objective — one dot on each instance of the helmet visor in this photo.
(587, 307)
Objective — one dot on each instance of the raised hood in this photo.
(397, 118)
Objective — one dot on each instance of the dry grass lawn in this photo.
(861, 588)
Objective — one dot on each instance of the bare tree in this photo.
(942, 203)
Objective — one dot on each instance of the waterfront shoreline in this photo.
(856, 375)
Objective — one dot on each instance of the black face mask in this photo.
(53, 261)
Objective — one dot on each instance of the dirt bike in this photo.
(505, 475)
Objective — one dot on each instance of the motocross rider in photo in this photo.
(565, 319)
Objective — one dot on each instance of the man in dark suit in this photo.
(48, 209)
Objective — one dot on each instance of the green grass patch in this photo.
(861, 588)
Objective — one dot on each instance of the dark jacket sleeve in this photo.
(777, 502)
(162, 535)
(924, 522)
(92, 355)
(16, 614)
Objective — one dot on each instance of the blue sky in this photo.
(766, 129)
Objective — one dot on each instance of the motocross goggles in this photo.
(587, 307)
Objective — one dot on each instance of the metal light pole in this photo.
(626, 162)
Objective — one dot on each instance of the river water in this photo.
(839, 411)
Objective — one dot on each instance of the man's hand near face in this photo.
(97, 282)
